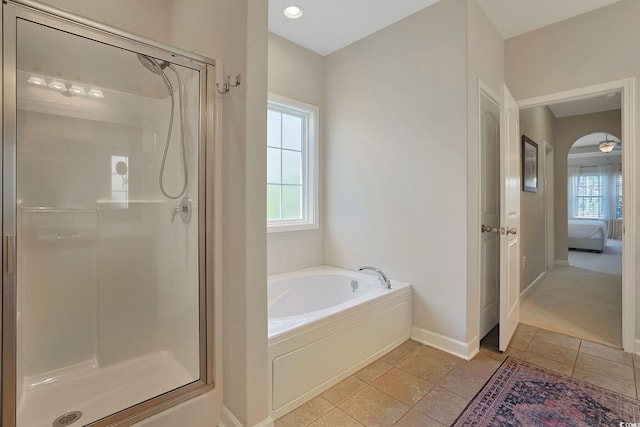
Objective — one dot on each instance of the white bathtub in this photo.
(321, 330)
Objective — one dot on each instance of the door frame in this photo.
(629, 162)
(549, 205)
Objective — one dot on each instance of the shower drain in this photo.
(67, 419)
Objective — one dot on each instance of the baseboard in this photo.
(458, 348)
(533, 285)
(637, 349)
(230, 420)
(562, 263)
(267, 422)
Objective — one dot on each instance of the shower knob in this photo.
(184, 209)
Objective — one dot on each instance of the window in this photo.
(589, 195)
(120, 182)
(595, 192)
(618, 180)
(292, 132)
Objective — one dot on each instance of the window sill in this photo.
(284, 227)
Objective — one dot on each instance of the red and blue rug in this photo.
(523, 394)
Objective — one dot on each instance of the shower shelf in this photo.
(45, 209)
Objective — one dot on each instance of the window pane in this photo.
(291, 132)
(273, 202)
(118, 183)
(291, 206)
(273, 165)
(618, 196)
(274, 132)
(291, 167)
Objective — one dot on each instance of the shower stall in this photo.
(107, 211)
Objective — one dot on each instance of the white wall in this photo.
(236, 32)
(396, 151)
(148, 18)
(538, 123)
(296, 73)
(578, 52)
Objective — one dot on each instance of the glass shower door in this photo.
(102, 178)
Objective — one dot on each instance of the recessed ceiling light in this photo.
(293, 12)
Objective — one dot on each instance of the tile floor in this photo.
(417, 385)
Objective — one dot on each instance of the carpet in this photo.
(523, 394)
(577, 302)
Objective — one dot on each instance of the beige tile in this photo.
(555, 352)
(548, 363)
(373, 371)
(514, 352)
(442, 405)
(600, 366)
(425, 366)
(278, 423)
(405, 387)
(414, 418)
(606, 352)
(606, 382)
(307, 413)
(482, 365)
(343, 390)
(400, 352)
(336, 417)
(438, 355)
(463, 383)
(373, 408)
(557, 339)
(636, 360)
(519, 343)
(524, 330)
(495, 355)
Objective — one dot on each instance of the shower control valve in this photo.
(184, 209)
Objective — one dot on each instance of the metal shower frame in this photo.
(33, 11)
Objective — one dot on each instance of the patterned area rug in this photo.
(522, 394)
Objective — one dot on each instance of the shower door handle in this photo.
(10, 250)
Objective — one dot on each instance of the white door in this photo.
(509, 219)
(490, 214)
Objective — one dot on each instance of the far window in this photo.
(590, 194)
(291, 159)
(120, 182)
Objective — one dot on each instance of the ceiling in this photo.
(515, 17)
(596, 104)
(329, 25)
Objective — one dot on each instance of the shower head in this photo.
(152, 64)
(156, 67)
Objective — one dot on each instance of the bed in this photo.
(587, 234)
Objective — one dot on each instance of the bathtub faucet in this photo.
(384, 280)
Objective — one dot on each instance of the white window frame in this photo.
(310, 160)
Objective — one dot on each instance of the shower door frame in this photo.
(57, 19)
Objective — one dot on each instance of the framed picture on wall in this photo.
(529, 165)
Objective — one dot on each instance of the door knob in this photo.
(511, 231)
(489, 229)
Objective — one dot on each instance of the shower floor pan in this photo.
(103, 391)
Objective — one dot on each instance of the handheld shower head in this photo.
(156, 67)
(152, 64)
